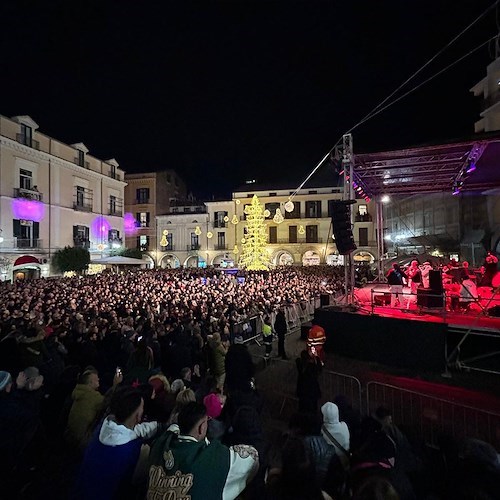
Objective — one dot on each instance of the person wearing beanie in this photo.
(214, 403)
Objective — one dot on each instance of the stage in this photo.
(416, 338)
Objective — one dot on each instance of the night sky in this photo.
(227, 91)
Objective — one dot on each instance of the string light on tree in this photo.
(254, 256)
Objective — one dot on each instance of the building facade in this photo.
(147, 196)
(488, 89)
(53, 195)
(302, 237)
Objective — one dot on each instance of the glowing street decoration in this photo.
(278, 216)
(129, 224)
(197, 231)
(226, 218)
(234, 220)
(267, 213)
(210, 234)
(254, 256)
(100, 228)
(164, 241)
(24, 209)
(289, 206)
(301, 230)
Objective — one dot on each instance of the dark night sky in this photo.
(226, 91)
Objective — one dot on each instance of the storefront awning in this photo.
(26, 259)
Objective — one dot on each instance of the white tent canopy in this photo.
(118, 260)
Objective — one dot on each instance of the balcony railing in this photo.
(115, 175)
(219, 224)
(363, 218)
(115, 211)
(28, 194)
(81, 243)
(82, 206)
(168, 248)
(28, 243)
(220, 247)
(300, 241)
(27, 141)
(191, 248)
(142, 201)
(86, 164)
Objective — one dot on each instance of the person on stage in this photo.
(490, 268)
(414, 279)
(395, 279)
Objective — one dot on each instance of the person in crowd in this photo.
(280, 327)
(188, 465)
(87, 404)
(240, 369)
(396, 278)
(316, 338)
(217, 355)
(113, 453)
(214, 403)
(375, 488)
(267, 336)
(308, 390)
(291, 473)
(425, 270)
(335, 432)
(490, 268)
(414, 280)
(184, 397)
(186, 374)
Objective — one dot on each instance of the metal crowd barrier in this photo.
(432, 417)
(334, 384)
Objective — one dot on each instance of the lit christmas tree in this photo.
(253, 254)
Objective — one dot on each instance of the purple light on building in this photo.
(100, 228)
(129, 224)
(24, 209)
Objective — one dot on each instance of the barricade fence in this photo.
(425, 416)
(430, 417)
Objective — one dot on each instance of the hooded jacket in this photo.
(337, 429)
(110, 460)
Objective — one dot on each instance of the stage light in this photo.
(24, 209)
(129, 224)
(456, 190)
(471, 168)
(385, 198)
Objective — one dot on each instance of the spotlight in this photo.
(471, 168)
(456, 190)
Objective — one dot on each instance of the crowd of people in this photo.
(137, 385)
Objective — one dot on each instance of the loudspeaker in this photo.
(324, 300)
(429, 298)
(342, 227)
(435, 281)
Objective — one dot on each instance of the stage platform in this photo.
(417, 338)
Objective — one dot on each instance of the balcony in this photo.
(220, 247)
(142, 201)
(115, 175)
(220, 224)
(490, 101)
(86, 164)
(300, 241)
(82, 206)
(193, 248)
(29, 194)
(28, 243)
(27, 141)
(81, 243)
(363, 218)
(115, 211)
(168, 248)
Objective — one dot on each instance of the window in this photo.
(80, 196)
(26, 233)
(221, 240)
(25, 179)
(272, 209)
(112, 172)
(362, 209)
(295, 213)
(26, 135)
(219, 219)
(170, 241)
(194, 242)
(112, 204)
(273, 234)
(142, 219)
(311, 234)
(80, 157)
(143, 242)
(142, 195)
(313, 209)
(81, 236)
(363, 236)
(292, 234)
